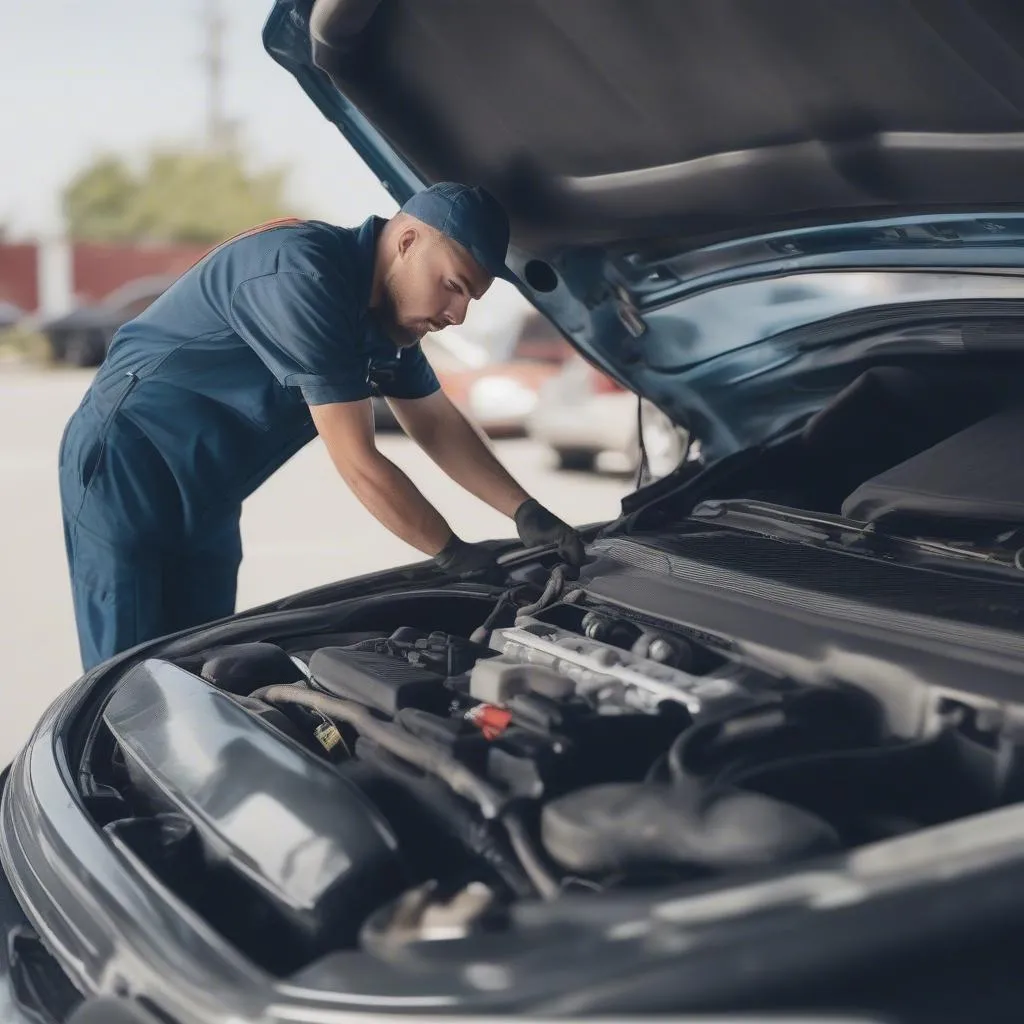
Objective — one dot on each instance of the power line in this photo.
(218, 127)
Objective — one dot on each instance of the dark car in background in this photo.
(82, 336)
(762, 754)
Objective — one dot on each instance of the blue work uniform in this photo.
(200, 399)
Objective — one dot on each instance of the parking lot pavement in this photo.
(301, 529)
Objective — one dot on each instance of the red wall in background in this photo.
(19, 276)
(98, 269)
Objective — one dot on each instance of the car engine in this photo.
(393, 780)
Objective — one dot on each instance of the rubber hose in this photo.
(487, 845)
(533, 861)
(481, 837)
(482, 632)
(396, 740)
(553, 588)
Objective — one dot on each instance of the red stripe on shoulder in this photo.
(258, 229)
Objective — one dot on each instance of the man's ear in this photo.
(406, 240)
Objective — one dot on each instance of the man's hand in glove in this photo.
(538, 527)
(460, 558)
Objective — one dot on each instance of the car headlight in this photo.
(500, 398)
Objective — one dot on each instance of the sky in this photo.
(83, 77)
(77, 79)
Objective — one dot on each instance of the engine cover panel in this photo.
(298, 831)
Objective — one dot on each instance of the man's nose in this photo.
(456, 312)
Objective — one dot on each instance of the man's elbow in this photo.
(361, 471)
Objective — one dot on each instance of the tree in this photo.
(192, 196)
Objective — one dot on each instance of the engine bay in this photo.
(736, 685)
(396, 781)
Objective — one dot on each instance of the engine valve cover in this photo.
(598, 668)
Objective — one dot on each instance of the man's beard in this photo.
(386, 317)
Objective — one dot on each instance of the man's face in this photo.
(429, 286)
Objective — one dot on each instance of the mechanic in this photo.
(278, 335)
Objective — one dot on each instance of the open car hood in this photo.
(650, 151)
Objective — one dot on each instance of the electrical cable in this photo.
(643, 467)
(396, 740)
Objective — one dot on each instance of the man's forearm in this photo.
(451, 441)
(394, 501)
(459, 450)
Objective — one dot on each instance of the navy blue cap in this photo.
(469, 215)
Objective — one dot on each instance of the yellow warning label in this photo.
(328, 735)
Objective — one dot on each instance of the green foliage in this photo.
(22, 345)
(180, 196)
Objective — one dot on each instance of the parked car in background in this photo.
(10, 314)
(499, 394)
(582, 414)
(82, 337)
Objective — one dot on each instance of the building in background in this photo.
(99, 270)
(79, 293)
(19, 275)
(85, 273)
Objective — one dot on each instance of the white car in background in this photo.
(586, 418)
(497, 393)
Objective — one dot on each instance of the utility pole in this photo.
(218, 128)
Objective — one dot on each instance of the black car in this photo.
(82, 336)
(765, 752)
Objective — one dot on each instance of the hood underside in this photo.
(652, 149)
(600, 120)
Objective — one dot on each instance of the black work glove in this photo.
(538, 527)
(460, 558)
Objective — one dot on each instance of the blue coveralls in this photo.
(200, 399)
